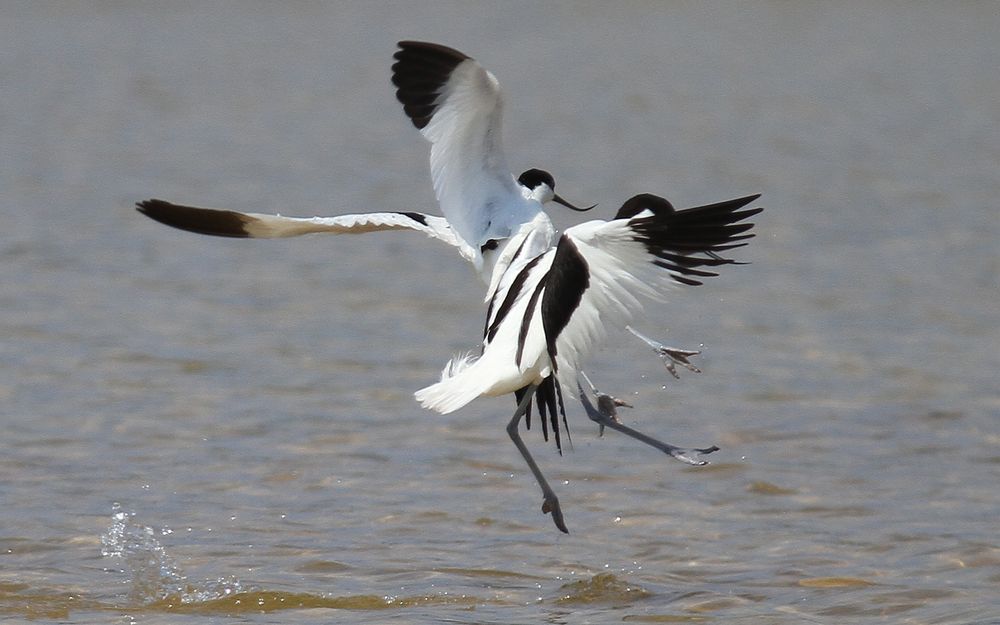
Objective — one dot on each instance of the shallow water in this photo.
(206, 430)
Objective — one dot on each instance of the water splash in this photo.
(151, 572)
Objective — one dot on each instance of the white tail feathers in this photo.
(454, 390)
(458, 364)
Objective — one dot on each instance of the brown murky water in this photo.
(204, 430)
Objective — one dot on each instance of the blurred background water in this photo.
(200, 429)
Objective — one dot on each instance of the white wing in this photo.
(602, 268)
(228, 223)
(457, 105)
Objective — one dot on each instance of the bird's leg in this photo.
(670, 356)
(550, 503)
(607, 404)
(690, 456)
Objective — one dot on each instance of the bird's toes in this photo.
(694, 456)
(551, 505)
(608, 405)
(673, 356)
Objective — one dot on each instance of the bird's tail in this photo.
(457, 387)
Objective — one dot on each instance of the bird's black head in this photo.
(543, 186)
(535, 177)
(644, 201)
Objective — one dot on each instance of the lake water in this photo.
(206, 430)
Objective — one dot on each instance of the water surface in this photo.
(207, 430)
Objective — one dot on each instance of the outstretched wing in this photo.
(601, 268)
(229, 223)
(456, 104)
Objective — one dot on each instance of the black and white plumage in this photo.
(551, 304)
(457, 105)
(549, 300)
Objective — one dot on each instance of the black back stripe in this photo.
(512, 294)
(517, 252)
(566, 282)
(489, 313)
(219, 223)
(493, 298)
(529, 313)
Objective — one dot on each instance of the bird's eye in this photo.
(492, 244)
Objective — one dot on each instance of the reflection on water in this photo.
(258, 394)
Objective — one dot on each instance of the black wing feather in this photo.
(565, 284)
(419, 73)
(687, 239)
(219, 223)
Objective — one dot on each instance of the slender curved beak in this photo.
(556, 198)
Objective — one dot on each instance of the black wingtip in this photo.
(419, 73)
(687, 239)
(430, 48)
(219, 223)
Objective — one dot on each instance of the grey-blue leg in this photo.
(550, 502)
(670, 356)
(606, 417)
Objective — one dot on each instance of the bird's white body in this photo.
(498, 371)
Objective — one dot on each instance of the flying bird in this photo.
(551, 304)
(549, 298)
(457, 105)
